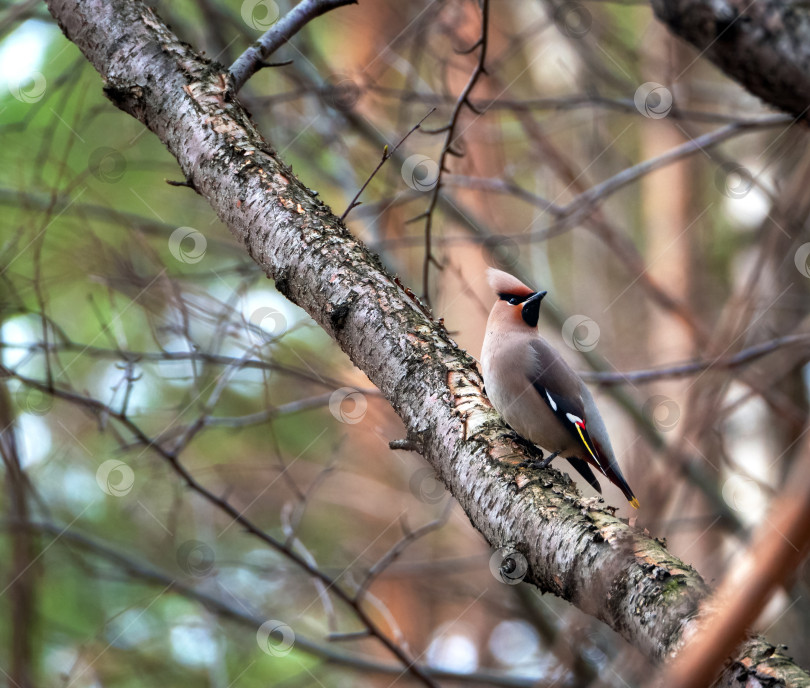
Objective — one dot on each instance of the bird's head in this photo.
(517, 303)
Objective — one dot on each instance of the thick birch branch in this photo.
(762, 44)
(584, 555)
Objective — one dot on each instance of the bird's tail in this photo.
(585, 471)
(615, 476)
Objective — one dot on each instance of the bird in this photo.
(538, 394)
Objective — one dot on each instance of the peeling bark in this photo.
(584, 555)
(764, 45)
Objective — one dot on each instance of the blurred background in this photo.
(663, 208)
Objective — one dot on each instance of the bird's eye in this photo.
(513, 300)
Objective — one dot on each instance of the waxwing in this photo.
(537, 392)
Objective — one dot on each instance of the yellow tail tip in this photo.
(634, 503)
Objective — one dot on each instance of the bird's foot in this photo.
(523, 482)
(540, 465)
(515, 436)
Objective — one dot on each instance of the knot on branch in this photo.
(413, 442)
(340, 312)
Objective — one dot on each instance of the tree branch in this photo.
(21, 584)
(762, 44)
(137, 569)
(385, 156)
(451, 139)
(780, 545)
(584, 555)
(741, 358)
(250, 61)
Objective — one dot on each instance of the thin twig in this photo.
(207, 358)
(22, 556)
(399, 547)
(387, 153)
(355, 635)
(683, 369)
(141, 570)
(560, 103)
(600, 191)
(448, 149)
(274, 412)
(406, 444)
(236, 515)
(254, 58)
(185, 182)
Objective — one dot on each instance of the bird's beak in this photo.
(531, 308)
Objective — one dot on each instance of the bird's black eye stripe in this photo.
(512, 299)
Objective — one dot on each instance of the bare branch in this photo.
(396, 551)
(600, 191)
(779, 547)
(253, 59)
(406, 444)
(570, 214)
(139, 570)
(236, 515)
(386, 154)
(450, 140)
(21, 582)
(765, 45)
(741, 358)
(561, 103)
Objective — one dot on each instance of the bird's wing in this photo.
(566, 395)
(559, 387)
(601, 443)
(585, 471)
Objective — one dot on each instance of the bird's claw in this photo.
(539, 465)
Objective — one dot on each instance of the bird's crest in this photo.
(504, 283)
